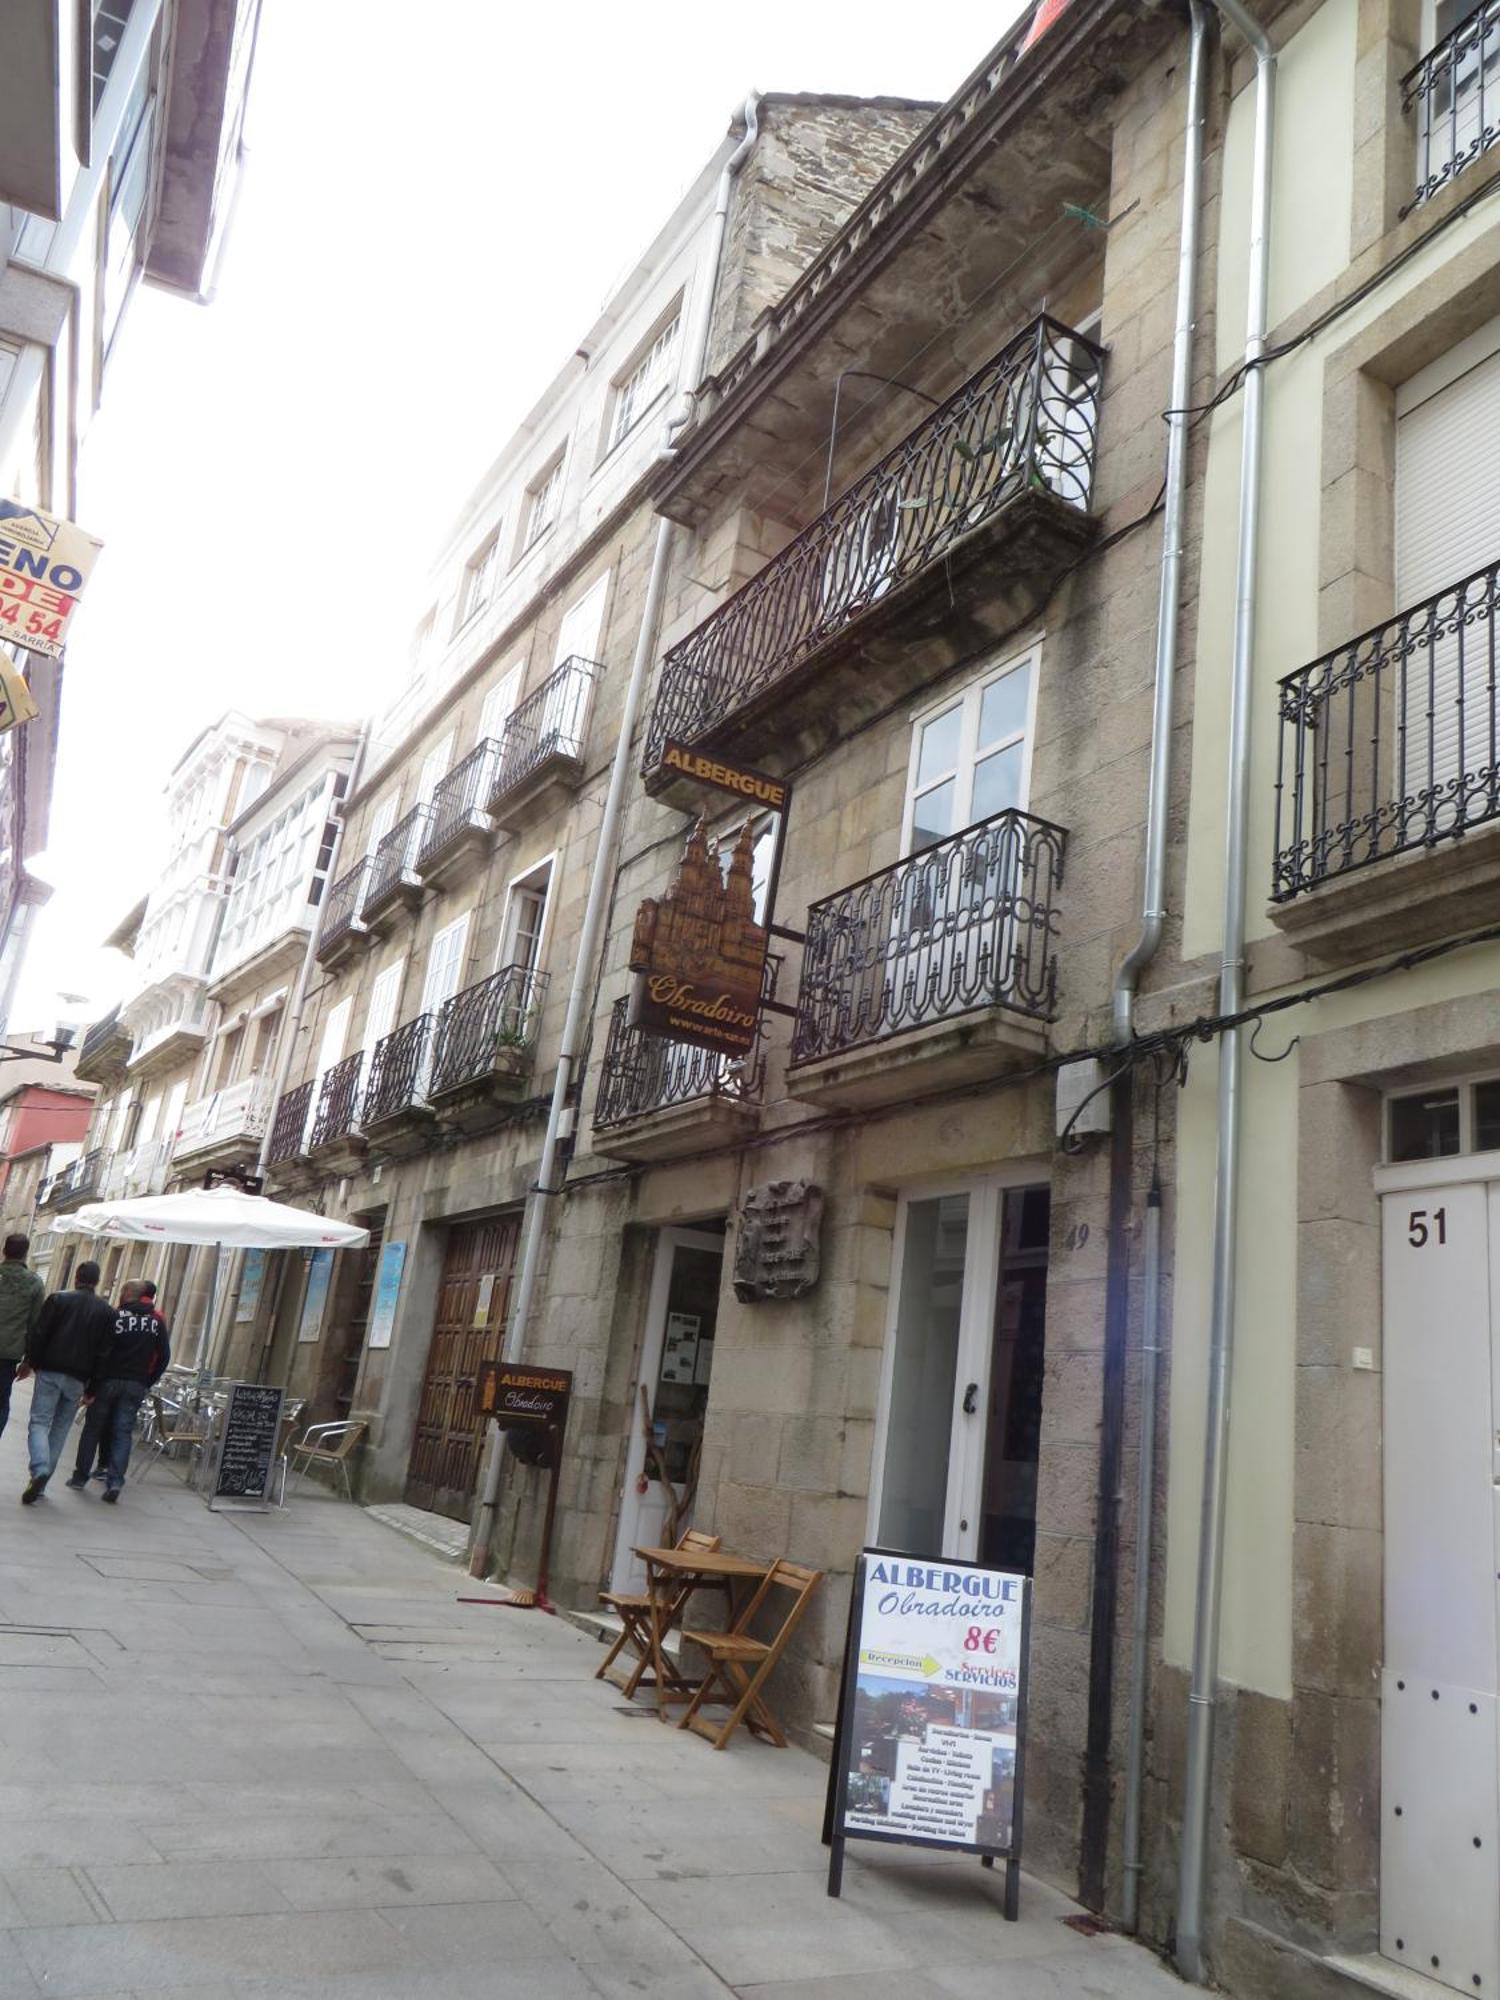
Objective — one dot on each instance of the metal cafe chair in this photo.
(329, 1444)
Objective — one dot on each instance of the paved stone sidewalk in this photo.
(271, 1757)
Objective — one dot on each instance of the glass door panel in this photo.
(924, 1376)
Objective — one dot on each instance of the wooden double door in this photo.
(473, 1304)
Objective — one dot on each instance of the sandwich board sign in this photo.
(932, 1712)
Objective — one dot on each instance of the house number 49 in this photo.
(1420, 1232)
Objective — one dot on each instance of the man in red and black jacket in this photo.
(132, 1363)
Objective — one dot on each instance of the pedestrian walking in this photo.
(63, 1351)
(21, 1295)
(131, 1365)
(94, 1440)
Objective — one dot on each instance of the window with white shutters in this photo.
(1447, 528)
(385, 994)
(445, 964)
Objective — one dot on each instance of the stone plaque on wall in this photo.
(777, 1252)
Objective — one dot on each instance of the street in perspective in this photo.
(749, 946)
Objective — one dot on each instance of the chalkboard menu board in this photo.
(244, 1447)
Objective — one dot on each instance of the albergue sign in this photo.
(933, 1711)
(44, 564)
(521, 1398)
(738, 779)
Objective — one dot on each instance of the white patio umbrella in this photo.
(222, 1216)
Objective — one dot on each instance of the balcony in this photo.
(459, 832)
(146, 1168)
(336, 1142)
(541, 752)
(484, 1048)
(286, 1153)
(226, 1126)
(396, 1117)
(1454, 92)
(948, 544)
(104, 1051)
(343, 927)
(1387, 777)
(660, 1099)
(80, 1181)
(937, 972)
(395, 882)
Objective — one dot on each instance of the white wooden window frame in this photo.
(435, 767)
(1465, 1085)
(383, 819)
(542, 497)
(432, 1001)
(381, 1016)
(646, 377)
(537, 878)
(477, 590)
(970, 699)
(500, 702)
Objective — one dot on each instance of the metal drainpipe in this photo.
(1154, 886)
(575, 1023)
(1153, 915)
(1192, 1876)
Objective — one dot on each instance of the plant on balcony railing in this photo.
(1392, 742)
(487, 1026)
(342, 905)
(645, 1073)
(1025, 423)
(968, 923)
(290, 1123)
(551, 722)
(397, 854)
(338, 1101)
(464, 791)
(1455, 92)
(399, 1069)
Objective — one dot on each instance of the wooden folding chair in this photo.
(732, 1655)
(633, 1608)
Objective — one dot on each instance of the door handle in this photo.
(969, 1394)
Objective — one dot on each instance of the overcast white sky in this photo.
(435, 203)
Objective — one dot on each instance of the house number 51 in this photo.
(1420, 1232)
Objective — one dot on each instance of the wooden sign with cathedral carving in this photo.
(698, 954)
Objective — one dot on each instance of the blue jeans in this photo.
(109, 1429)
(54, 1403)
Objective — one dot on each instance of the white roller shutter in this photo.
(1447, 527)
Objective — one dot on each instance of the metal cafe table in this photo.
(672, 1575)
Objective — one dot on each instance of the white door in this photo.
(384, 820)
(445, 965)
(671, 1397)
(959, 1424)
(384, 996)
(330, 1051)
(1440, 1780)
(435, 769)
(583, 623)
(1447, 527)
(499, 702)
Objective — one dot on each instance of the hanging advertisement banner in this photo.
(699, 955)
(932, 1712)
(44, 565)
(17, 703)
(387, 1291)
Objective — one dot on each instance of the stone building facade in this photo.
(916, 575)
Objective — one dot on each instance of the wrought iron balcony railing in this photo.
(968, 923)
(551, 722)
(646, 1073)
(1392, 742)
(487, 1025)
(342, 905)
(290, 1123)
(1025, 423)
(338, 1101)
(79, 1182)
(1455, 92)
(465, 790)
(397, 854)
(399, 1068)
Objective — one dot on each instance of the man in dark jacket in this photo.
(65, 1350)
(21, 1295)
(132, 1364)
